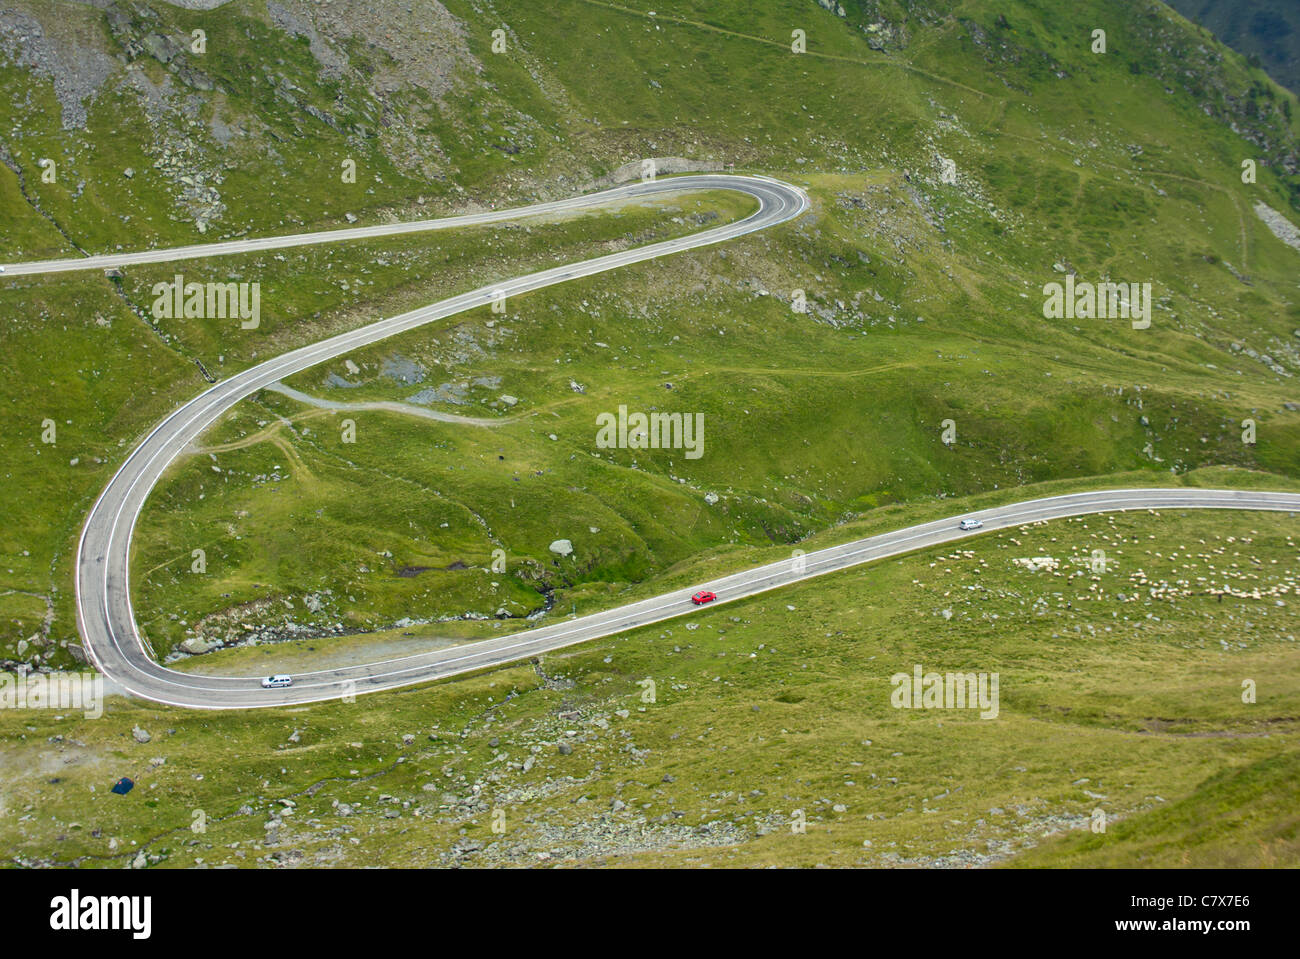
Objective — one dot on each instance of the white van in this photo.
(277, 682)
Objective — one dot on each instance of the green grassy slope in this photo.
(924, 305)
(1118, 690)
(1266, 31)
(1241, 817)
(925, 297)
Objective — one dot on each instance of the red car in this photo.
(699, 599)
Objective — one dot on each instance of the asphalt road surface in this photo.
(104, 612)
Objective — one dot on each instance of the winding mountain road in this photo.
(104, 612)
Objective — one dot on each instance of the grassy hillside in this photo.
(1119, 691)
(960, 154)
(1266, 31)
(924, 296)
(1243, 816)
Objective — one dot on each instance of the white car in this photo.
(970, 524)
(277, 682)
